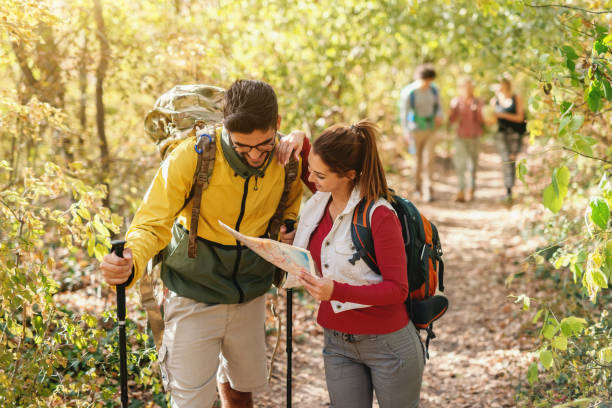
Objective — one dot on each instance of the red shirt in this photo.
(468, 115)
(388, 313)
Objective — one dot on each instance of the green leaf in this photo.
(593, 97)
(572, 326)
(576, 123)
(546, 358)
(91, 244)
(599, 47)
(550, 329)
(607, 90)
(559, 342)
(600, 213)
(607, 39)
(605, 355)
(563, 122)
(521, 170)
(537, 316)
(525, 299)
(102, 230)
(99, 251)
(598, 278)
(532, 373)
(551, 200)
(563, 176)
(84, 213)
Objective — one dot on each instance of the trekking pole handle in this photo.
(289, 224)
(117, 247)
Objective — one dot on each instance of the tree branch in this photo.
(569, 7)
(586, 155)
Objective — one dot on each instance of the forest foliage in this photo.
(79, 76)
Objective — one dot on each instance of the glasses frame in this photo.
(236, 146)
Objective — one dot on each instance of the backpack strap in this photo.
(411, 99)
(206, 149)
(434, 91)
(361, 234)
(291, 171)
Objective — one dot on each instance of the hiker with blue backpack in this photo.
(420, 116)
(213, 329)
(371, 344)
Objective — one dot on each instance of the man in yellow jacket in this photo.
(214, 308)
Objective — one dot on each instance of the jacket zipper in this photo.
(237, 228)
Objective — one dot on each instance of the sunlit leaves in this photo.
(600, 212)
(555, 193)
(546, 358)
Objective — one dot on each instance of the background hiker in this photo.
(214, 304)
(466, 112)
(511, 126)
(370, 344)
(420, 116)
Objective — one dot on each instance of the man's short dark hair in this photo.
(426, 72)
(250, 105)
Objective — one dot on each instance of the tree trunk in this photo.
(83, 98)
(100, 74)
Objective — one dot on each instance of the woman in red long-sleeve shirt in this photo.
(370, 344)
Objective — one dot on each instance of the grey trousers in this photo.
(509, 144)
(389, 364)
(466, 158)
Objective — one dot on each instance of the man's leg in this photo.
(243, 368)
(429, 155)
(189, 355)
(460, 159)
(419, 143)
(231, 398)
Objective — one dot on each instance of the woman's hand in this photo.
(319, 288)
(292, 143)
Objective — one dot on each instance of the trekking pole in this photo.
(117, 248)
(289, 224)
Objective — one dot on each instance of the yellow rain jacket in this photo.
(239, 195)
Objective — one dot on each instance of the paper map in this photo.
(289, 258)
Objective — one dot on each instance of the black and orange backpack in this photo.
(424, 255)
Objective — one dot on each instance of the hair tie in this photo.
(357, 131)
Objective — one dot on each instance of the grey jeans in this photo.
(389, 364)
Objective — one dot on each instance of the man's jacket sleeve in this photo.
(295, 197)
(150, 230)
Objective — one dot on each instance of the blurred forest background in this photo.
(78, 76)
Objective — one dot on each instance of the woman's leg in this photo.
(397, 368)
(348, 380)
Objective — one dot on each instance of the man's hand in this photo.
(292, 143)
(438, 121)
(407, 137)
(116, 270)
(286, 237)
(319, 288)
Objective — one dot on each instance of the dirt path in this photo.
(476, 361)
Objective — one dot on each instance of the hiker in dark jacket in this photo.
(510, 114)
(214, 306)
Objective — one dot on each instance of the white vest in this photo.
(337, 247)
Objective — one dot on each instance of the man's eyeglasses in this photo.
(266, 146)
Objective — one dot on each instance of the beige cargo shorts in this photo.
(203, 344)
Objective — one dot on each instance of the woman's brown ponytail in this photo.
(344, 148)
